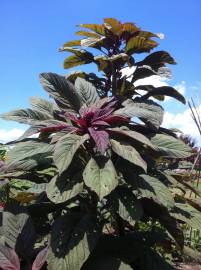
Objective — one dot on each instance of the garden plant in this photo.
(82, 187)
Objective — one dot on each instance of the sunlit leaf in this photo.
(169, 146)
(140, 44)
(102, 179)
(129, 153)
(66, 148)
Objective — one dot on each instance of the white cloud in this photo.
(184, 122)
(9, 135)
(181, 87)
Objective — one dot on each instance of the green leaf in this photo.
(65, 150)
(147, 34)
(18, 230)
(74, 61)
(148, 111)
(187, 214)
(136, 136)
(115, 60)
(26, 116)
(87, 34)
(27, 149)
(86, 91)
(102, 179)
(171, 147)
(72, 76)
(153, 188)
(129, 208)
(73, 238)
(129, 153)
(140, 44)
(163, 90)
(97, 28)
(42, 105)
(80, 57)
(113, 25)
(63, 188)
(61, 90)
(71, 43)
(130, 28)
(37, 161)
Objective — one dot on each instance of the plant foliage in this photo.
(87, 191)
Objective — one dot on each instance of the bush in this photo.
(88, 186)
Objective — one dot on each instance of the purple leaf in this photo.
(110, 104)
(8, 259)
(40, 259)
(116, 118)
(102, 113)
(101, 139)
(71, 116)
(57, 128)
(100, 123)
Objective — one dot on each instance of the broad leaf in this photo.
(161, 214)
(26, 116)
(149, 112)
(61, 90)
(66, 148)
(130, 28)
(101, 139)
(80, 57)
(97, 28)
(141, 73)
(64, 187)
(36, 128)
(71, 43)
(151, 187)
(19, 231)
(87, 34)
(157, 60)
(187, 214)
(102, 179)
(129, 208)
(28, 149)
(8, 258)
(42, 105)
(86, 91)
(140, 44)
(136, 136)
(73, 238)
(40, 259)
(163, 90)
(129, 153)
(171, 147)
(113, 25)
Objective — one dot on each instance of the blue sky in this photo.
(32, 31)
